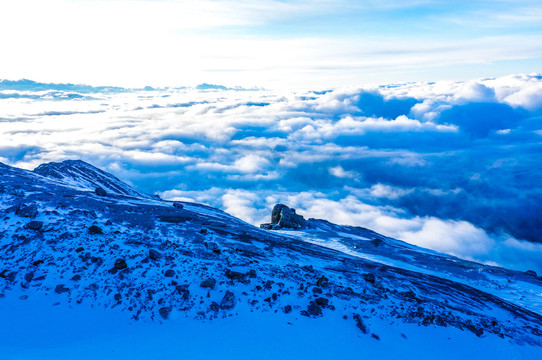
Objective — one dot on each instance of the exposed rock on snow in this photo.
(152, 259)
(284, 217)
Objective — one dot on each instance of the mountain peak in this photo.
(80, 174)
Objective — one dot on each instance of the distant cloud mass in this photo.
(452, 166)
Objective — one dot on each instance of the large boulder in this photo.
(284, 217)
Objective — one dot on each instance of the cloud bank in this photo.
(453, 166)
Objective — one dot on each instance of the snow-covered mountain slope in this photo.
(82, 175)
(202, 274)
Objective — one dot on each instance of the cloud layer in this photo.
(454, 166)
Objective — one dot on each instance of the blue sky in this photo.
(273, 44)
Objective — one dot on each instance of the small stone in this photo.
(228, 301)
(322, 282)
(28, 211)
(117, 297)
(59, 289)
(169, 273)
(76, 277)
(213, 307)
(322, 301)
(34, 225)
(235, 275)
(164, 312)
(100, 192)
(154, 255)
(120, 264)
(95, 230)
(208, 283)
(178, 205)
(359, 323)
(314, 309)
(183, 291)
(79, 249)
(317, 290)
(370, 278)
(29, 276)
(288, 309)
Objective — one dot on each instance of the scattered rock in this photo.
(28, 211)
(183, 291)
(208, 283)
(76, 277)
(100, 191)
(154, 255)
(29, 276)
(288, 309)
(359, 324)
(120, 264)
(370, 278)
(164, 312)
(117, 297)
(79, 249)
(59, 289)
(169, 273)
(314, 309)
(322, 282)
(34, 225)
(214, 307)
(178, 205)
(377, 242)
(95, 230)
(228, 301)
(322, 301)
(235, 275)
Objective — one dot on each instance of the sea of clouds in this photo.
(452, 166)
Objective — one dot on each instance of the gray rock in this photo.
(95, 230)
(120, 264)
(208, 283)
(370, 278)
(235, 275)
(359, 324)
(214, 307)
(228, 301)
(34, 225)
(284, 217)
(100, 192)
(169, 273)
(314, 309)
(178, 205)
(164, 312)
(322, 301)
(183, 291)
(59, 289)
(154, 255)
(29, 276)
(28, 211)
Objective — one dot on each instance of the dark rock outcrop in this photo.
(100, 191)
(34, 225)
(208, 283)
(284, 217)
(228, 301)
(28, 211)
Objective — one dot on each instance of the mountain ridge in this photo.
(156, 260)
